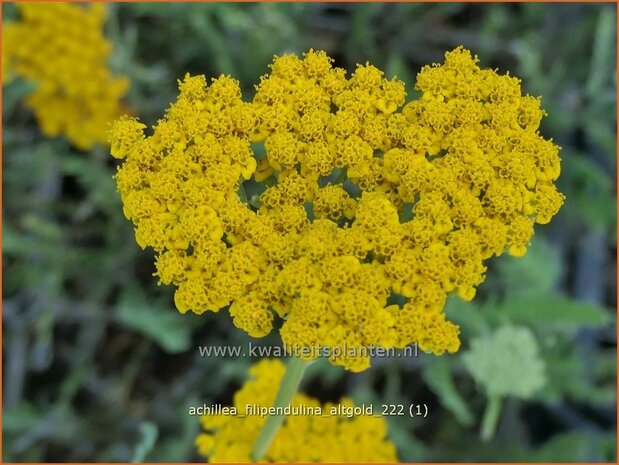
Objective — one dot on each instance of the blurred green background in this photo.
(99, 366)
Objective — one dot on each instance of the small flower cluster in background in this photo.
(61, 49)
(507, 362)
(302, 438)
(361, 199)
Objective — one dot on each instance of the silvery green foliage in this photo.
(507, 362)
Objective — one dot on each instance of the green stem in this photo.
(294, 372)
(491, 417)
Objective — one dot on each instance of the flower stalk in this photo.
(290, 384)
(491, 417)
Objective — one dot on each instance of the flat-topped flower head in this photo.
(364, 200)
(61, 49)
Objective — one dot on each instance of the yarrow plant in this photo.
(61, 49)
(363, 200)
(303, 438)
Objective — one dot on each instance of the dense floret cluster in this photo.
(363, 197)
(61, 49)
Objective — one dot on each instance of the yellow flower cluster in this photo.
(303, 438)
(61, 48)
(362, 199)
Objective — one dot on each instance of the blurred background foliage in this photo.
(99, 366)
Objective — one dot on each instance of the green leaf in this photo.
(409, 446)
(96, 177)
(149, 434)
(567, 447)
(21, 418)
(165, 326)
(438, 376)
(14, 243)
(16, 90)
(590, 196)
(565, 376)
(600, 213)
(537, 272)
(553, 310)
(467, 315)
(173, 446)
